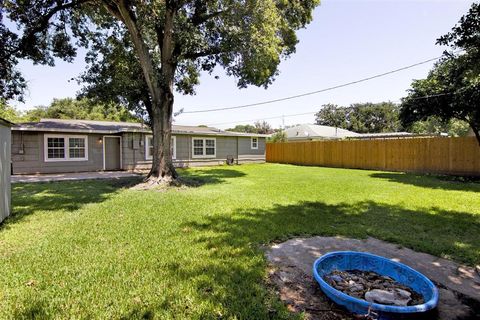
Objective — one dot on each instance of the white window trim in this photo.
(65, 147)
(147, 146)
(204, 155)
(251, 143)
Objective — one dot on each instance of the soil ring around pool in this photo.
(291, 276)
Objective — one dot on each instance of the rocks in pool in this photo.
(396, 297)
(373, 287)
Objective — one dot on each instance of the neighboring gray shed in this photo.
(5, 155)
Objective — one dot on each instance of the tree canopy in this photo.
(69, 108)
(260, 127)
(279, 136)
(452, 88)
(167, 42)
(361, 117)
(244, 128)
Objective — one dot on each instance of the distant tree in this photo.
(452, 88)
(361, 117)
(279, 136)
(83, 109)
(8, 112)
(247, 128)
(263, 127)
(435, 125)
(373, 117)
(332, 115)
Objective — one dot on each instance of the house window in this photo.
(203, 147)
(66, 148)
(149, 147)
(254, 143)
(76, 148)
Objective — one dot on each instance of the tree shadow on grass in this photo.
(233, 272)
(28, 198)
(430, 181)
(209, 176)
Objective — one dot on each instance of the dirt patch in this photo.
(291, 274)
(302, 294)
(181, 183)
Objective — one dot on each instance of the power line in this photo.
(315, 92)
(269, 118)
(313, 112)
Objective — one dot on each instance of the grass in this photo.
(96, 249)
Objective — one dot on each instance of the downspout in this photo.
(238, 152)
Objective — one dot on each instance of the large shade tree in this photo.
(452, 88)
(167, 42)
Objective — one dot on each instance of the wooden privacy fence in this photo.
(433, 155)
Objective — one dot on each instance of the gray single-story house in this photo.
(5, 183)
(61, 146)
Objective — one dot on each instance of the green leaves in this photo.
(452, 88)
(361, 117)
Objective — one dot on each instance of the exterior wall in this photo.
(33, 160)
(249, 155)
(134, 157)
(133, 152)
(5, 184)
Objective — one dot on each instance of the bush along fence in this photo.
(455, 156)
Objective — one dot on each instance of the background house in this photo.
(306, 132)
(316, 132)
(5, 186)
(58, 146)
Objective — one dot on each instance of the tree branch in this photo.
(204, 53)
(202, 18)
(113, 9)
(42, 24)
(200, 14)
(146, 61)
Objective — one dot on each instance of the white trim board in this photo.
(204, 155)
(173, 144)
(251, 143)
(66, 147)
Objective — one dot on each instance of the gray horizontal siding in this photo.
(134, 159)
(32, 160)
(133, 153)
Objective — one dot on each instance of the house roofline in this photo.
(19, 127)
(6, 123)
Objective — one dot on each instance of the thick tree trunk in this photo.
(162, 166)
(476, 132)
(160, 85)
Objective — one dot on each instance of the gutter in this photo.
(6, 122)
(228, 134)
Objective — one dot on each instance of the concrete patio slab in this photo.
(73, 176)
(292, 262)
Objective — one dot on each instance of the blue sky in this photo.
(347, 40)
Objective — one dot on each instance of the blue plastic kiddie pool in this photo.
(350, 260)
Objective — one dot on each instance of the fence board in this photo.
(434, 155)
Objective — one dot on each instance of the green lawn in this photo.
(97, 249)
